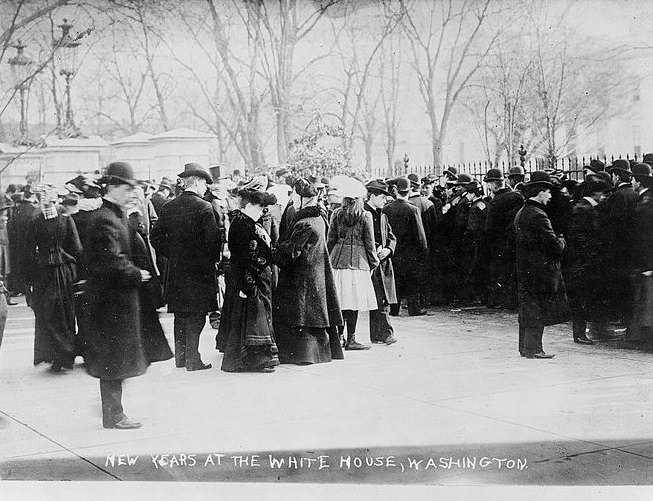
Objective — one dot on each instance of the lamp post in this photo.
(21, 69)
(67, 48)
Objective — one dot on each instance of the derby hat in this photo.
(403, 184)
(540, 178)
(620, 165)
(474, 187)
(414, 180)
(601, 175)
(596, 165)
(118, 173)
(517, 171)
(464, 179)
(642, 171)
(493, 175)
(648, 158)
(195, 169)
(451, 173)
(377, 186)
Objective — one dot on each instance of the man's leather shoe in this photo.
(541, 355)
(583, 340)
(125, 424)
(391, 339)
(198, 367)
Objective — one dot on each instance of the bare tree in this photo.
(448, 47)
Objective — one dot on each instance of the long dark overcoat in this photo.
(17, 230)
(383, 277)
(188, 235)
(306, 293)
(114, 346)
(541, 287)
(583, 271)
(501, 212)
(642, 262)
(617, 244)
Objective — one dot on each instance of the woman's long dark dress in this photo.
(54, 249)
(246, 335)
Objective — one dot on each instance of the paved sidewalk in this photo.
(452, 403)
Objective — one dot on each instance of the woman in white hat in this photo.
(350, 242)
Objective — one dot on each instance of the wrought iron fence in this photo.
(572, 166)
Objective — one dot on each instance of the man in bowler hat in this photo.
(188, 235)
(114, 345)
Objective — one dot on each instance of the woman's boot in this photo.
(352, 344)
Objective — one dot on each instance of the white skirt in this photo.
(355, 290)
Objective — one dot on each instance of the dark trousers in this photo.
(111, 395)
(530, 339)
(380, 328)
(188, 327)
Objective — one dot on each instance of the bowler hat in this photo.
(641, 171)
(648, 158)
(305, 189)
(474, 187)
(539, 178)
(195, 169)
(451, 173)
(517, 171)
(118, 173)
(596, 165)
(601, 176)
(620, 165)
(463, 179)
(377, 185)
(414, 180)
(493, 175)
(403, 184)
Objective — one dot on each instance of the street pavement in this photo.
(450, 404)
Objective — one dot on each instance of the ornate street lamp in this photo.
(21, 70)
(67, 49)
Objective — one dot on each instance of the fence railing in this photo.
(573, 166)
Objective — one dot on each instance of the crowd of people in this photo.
(282, 265)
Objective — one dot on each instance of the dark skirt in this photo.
(308, 345)
(53, 304)
(246, 335)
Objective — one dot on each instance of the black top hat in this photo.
(305, 189)
(118, 173)
(195, 169)
(493, 175)
(215, 172)
(403, 184)
(539, 178)
(377, 185)
(463, 179)
(517, 171)
(620, 165)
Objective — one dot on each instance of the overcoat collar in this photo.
(312, 211)
(113, 207)
(534, 204)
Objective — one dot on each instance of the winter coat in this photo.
(17, 229)
(406, 223)
(383, 277)
(583, 270)
(541, 287)
(352, 247)
(643, 261)
(114, 346)
(501, 212)
(188, 235)
(306, 293)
